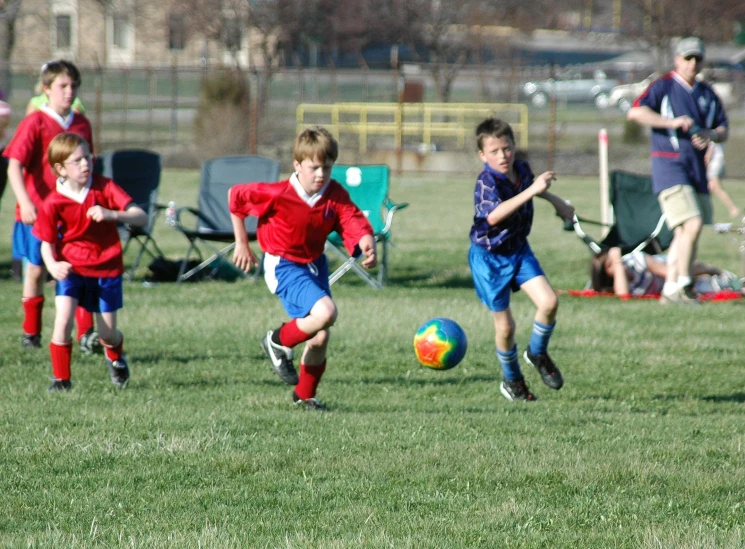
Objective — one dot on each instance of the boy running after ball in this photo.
(295, 218)
(501, 259)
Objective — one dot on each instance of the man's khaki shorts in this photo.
(681, 203)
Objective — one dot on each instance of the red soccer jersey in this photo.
(29, 147)
(290, 228)
(93, 249)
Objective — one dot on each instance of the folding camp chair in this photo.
(368, 188)
(639, 222)
(212, 216)
(138, 173)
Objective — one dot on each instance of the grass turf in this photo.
(641, 448)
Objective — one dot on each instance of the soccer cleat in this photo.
(89, 342)
(550, 374)
(312, 403)
(60, 385)
(682, 296)
(281, 359)
(30, 341)
(516, 390)
(119, 371)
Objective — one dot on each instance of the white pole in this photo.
(606, 213)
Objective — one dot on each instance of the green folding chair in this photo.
(368, 188)
(639, 223)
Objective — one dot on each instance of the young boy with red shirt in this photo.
(32, 180)
(295, 218)
(77, 225)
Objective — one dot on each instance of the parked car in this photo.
(573, 85)
(623, 96)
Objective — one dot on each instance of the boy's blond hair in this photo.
(52, 69)
(62, 146)
(315, 142)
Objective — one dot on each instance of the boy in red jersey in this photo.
(295, 218)
(80, 246)
(32, 180)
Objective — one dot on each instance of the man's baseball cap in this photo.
(690, 46)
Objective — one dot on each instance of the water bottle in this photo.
(171, 214)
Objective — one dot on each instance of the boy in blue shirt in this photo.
(501, 259)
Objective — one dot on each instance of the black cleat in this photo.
(89, 343)
(59, 385)
(516, 390)
(312, 404)
(29, 341)
(119, 371)
(281, 359)
(550, 374)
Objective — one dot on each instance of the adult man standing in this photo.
(685, 116)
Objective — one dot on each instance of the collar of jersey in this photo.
(310, 200)
(65, 122)
(682, 81)
(517, 167)
(67, 192)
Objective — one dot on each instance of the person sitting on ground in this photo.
(638, 273)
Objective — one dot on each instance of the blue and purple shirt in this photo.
(674, 158)
(493, 188)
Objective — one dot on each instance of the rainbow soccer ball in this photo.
(440, 344)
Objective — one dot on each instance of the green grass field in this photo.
(643, 447)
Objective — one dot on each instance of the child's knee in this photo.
(326, 313)
(505, 326)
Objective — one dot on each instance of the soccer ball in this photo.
(440, 344)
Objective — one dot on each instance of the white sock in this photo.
(684, 281)
(669, 288)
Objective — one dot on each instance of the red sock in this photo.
(84, 320)
(113, 352)
(32, 307)
(61, 358)
(290, 335)
(310, 377)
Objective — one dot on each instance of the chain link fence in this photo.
(155, 109)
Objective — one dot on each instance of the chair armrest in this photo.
(392, 208)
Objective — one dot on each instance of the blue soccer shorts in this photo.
(96, 295)
(26, 245)
(298, 286)
(496, 276)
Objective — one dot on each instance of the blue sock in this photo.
(539, 338)
(510, 364)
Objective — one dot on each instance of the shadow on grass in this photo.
(421, 382)
(735, 397)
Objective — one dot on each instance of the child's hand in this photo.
(99, 213)
(543, 182)
(60, 270)
(28, 212)
(244, 258)
(367, 246)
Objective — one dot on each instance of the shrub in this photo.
(222, 124)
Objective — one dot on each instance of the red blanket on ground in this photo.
(723, 295)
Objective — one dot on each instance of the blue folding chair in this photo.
(368, 188)
(138, 173)
(212, 216)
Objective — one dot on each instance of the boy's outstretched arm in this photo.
(367, 246)
(563, 210)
